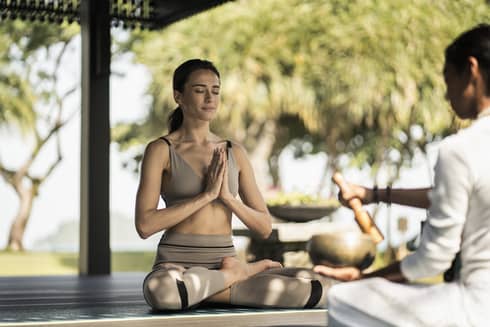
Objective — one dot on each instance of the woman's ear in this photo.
(177, 97)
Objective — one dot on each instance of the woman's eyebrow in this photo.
(204, 85)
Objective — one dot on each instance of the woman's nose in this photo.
(208, 96)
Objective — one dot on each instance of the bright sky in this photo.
(58, 200)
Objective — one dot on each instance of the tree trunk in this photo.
(259, 156)
(328, 170)
(16, 235)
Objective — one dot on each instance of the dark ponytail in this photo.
(175, 120)
(181, 75)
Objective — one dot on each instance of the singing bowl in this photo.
(342, 249)
(300, 213)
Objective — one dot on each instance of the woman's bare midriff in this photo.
(212, 219)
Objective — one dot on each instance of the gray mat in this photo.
(73, 298)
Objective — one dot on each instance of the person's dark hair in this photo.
(181, 75)
(472, 43)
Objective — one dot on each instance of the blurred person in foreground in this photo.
(458, 219)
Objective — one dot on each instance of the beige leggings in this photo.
(173, 287)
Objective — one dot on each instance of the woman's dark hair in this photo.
(181, 75)
(472, 43)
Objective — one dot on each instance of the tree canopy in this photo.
(359, 77)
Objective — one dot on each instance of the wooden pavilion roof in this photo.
(149, 14)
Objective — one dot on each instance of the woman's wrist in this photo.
(227, 199)
(209, 196)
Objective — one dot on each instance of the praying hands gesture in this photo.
(217, 176)
(214, 176)
(225, 190)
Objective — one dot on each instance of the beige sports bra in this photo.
(184, 183)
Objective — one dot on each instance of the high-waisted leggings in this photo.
(186, 273)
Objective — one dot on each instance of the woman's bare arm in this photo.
(253, 210)
(150, 220)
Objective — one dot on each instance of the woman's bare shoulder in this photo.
(157, 148)
(158, 144)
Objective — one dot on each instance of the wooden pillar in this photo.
(95, 254)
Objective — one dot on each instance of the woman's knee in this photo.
(279, 291)
(161, 291)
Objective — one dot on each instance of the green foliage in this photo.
(16, 100)
(356, 75)
(21, 44)
(66, 263)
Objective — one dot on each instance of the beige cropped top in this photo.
(184, 183)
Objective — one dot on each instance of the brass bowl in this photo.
(342, 249)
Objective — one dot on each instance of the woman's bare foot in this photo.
(235, 270)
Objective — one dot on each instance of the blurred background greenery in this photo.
(354, 79)
(361, 78)
(30, 263)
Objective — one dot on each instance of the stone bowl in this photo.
(300, 213)
(342, 249)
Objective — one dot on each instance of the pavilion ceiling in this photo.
(147, 14)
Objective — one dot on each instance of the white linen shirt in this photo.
(459, 219)
(459, 216)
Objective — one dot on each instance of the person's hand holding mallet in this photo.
(363, 218)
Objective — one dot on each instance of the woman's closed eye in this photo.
(200, 91)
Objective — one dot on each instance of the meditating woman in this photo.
(199, 175)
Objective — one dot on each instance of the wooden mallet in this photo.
(363, 218)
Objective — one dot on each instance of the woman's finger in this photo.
(221, 167)
(214, 165)
(214, 160)
(211, 173)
